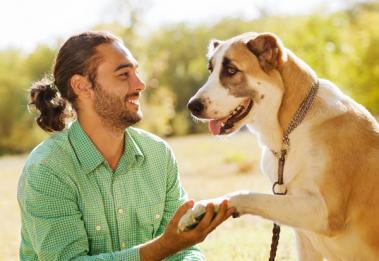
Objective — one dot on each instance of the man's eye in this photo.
(125, 74)
(231, 70)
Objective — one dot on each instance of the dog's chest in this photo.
(296, 168)
(269, 165)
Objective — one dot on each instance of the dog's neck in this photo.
(297, 79)
(265, 122)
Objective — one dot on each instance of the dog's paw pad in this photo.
(192, 218)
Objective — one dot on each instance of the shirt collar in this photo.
(86, 152)
(132, 151)
(90, 157)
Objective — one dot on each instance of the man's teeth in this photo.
(133, 101)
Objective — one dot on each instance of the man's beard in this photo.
(112, 109)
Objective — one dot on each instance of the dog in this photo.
(331, 171)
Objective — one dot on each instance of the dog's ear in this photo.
(214, 43)
(269, 50)
(212, 46)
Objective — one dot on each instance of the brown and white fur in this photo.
(332, 168)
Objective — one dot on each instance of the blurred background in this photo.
(339, 39)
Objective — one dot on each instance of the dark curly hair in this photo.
(53, 96)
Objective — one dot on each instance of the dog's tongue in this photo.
(215, 127)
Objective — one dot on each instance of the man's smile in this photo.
(133, 99)
(135, 102)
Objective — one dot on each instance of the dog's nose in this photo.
(196, 106)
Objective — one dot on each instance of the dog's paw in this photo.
(237, 200)
(193, 216)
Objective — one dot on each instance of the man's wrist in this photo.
(171, 247)
(157, 249)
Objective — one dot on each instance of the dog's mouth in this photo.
(224, 125)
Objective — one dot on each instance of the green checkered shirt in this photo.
(73, 206)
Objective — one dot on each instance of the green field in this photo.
(209, 167)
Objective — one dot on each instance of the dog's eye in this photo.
(231, 71)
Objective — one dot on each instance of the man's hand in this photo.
(179, 240)
(173, 240)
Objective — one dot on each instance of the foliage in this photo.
(340, 46)
(16, 74)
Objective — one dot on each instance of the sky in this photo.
(26, 23)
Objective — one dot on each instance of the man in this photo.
(102, 190)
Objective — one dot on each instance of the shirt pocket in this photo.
(149, 219)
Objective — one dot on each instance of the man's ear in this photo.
(269, 50)
(81, 86)
(213, 44)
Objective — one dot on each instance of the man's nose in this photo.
(139, 84)
(196, 106)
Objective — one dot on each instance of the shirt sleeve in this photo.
(175, 197)
(52, 228)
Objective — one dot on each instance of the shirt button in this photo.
(123, 244)
(157, 216)
(120, 211)
(98, 227)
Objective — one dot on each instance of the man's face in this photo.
(118, 87)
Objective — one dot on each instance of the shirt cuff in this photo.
(130, 254)
(191, 254)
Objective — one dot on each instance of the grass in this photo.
(209, 167)
(10, 169)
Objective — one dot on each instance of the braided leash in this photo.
(275, 241)
(278, 187)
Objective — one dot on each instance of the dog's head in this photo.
(244, 74)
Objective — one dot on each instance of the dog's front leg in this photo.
(305, 248)
(305, 212)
